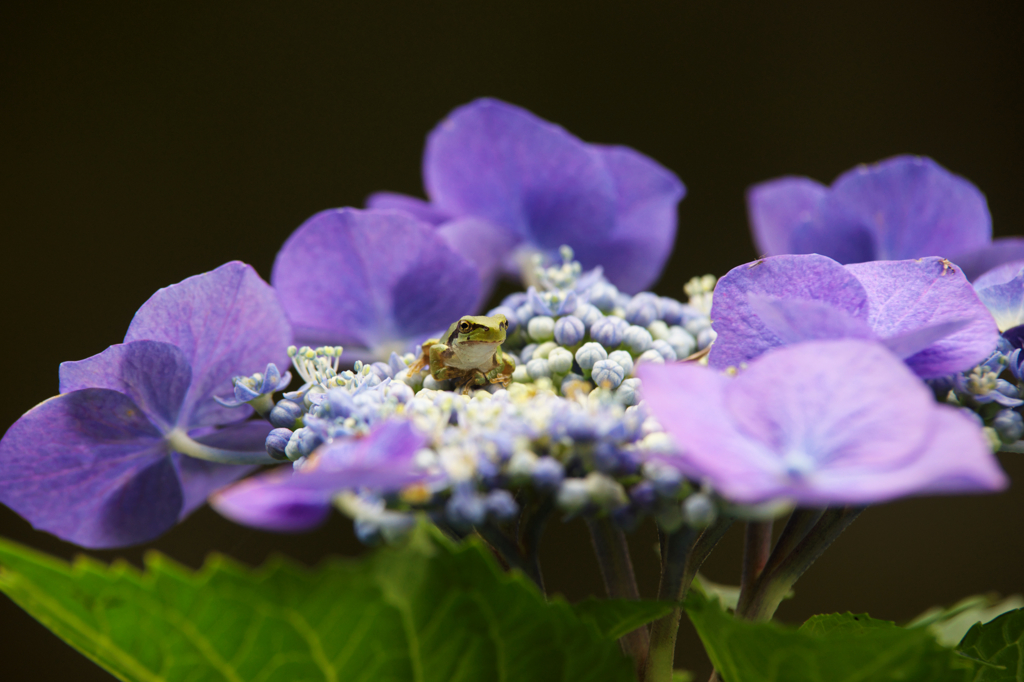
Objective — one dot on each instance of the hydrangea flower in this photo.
(900, 208)
(502, 181)
(924, 310)
(104, 464)
(1002, 291)
(374, 281)
(283, 500)
(818, 423)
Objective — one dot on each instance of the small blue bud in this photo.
(465, 510)
(548, 474)
(706, 337)
(277, 441)
(537, 368)
(382, 370)
(307, 441)
(1007, 389)
(651, 356)
(665, 350)
(637, 340)
(569, 330)
(590, 354)
(1009, 425)
(526, 354)
(642, 309)
(672, 311)
(488, 472)
(624, 360)
(541, 328)
(603, 296)
(559, 361)
(524, 314)
(628, 392)
(699, 510)
(285, 414)
(643, 495)
(682, 342)
(665, 479)
(607, 374)
(509, 314)
(608, 331)
(588, 314)
(500, 505)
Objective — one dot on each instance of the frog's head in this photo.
(474, 329)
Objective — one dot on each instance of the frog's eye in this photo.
(504, 325)
(463, 326)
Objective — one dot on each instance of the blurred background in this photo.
(144, 144)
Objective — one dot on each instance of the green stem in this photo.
(682, 555)
(179, 441)
(619, 581)
(757, 543)
(536, 518)
(799, 524)
(773, 586)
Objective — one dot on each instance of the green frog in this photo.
(469, 354)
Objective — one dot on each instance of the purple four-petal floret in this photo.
(94, 465)
(816, 424)
(902, 207)
(501, 180)
(288, 500)
(923, 310)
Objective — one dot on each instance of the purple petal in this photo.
(778, 207)
(89, 467)
(797, 320)
(227, 322)
(909, 343)
(914, 206)
(912, 294)
(383, 461)
(486, 246)
(268, 502)
(155, 375)
(838, 231)
(418, 208)
(531, 177)
(979, 261)
(200, 478)
(818, 423)
(742, 335)
(371, 279)
(647, 196)
(1002, 292)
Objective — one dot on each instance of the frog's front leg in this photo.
(423, 361)
(439, 355)
(502, 371)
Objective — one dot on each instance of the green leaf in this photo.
(1000, 645)
(833, 648)
(428, 611)
(615, 617)
(949, 625)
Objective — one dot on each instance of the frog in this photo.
(469, 354)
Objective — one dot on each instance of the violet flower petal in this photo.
(647, 196)
(795, 320)
(155, 375)
(501, 163)
(372, 279)
(420, 209)
(488, 247)
(89, 467)
(383, 461)
(979, 261)
(742, 335)
(818, 423)
(778, 207)
(1002, 292)
(227, 322)
(913, 294)
(914, 206)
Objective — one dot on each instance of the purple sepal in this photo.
(818, 423)
(1002, 291)
(371, 279)
(979, 261)
(545, 187)
(89, 467)
(742, 335)
(226, 322)
(488, 247)
(899, 208)
(910, 295)
(382, 461)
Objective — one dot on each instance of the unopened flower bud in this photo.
(285, 414)
(699, 510)
(569, 330)
(607, 374)
(541, 328)
(1009, 425)
(589, 354)
(637, 340)
(277, 441)
(559, 360)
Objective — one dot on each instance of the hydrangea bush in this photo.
(873, 353)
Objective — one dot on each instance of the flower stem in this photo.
(179, 441)
(773, 586)
(757, 543)
(619, 581)
(682, 554)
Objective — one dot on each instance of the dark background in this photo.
(140, 146)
